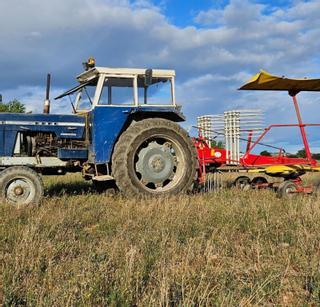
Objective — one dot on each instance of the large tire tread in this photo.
(124, 146)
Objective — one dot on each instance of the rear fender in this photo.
(173, 115)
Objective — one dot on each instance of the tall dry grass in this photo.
(224, 248)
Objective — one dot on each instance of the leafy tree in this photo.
(290, 155)
(265, 153)
(316, 156)
(13, 106)
(301, 153)
(218, 144)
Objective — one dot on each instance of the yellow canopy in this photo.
(266, 81)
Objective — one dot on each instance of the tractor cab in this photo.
(111, 98)
(122, 87)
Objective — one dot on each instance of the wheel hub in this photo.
(18, 190)
(155, 163)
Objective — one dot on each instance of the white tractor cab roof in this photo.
(139, 88)
(120, 72)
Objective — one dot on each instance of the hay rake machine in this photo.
(232, 125)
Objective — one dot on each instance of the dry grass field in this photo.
(226, 248)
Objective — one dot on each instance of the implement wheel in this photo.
(287, 189)
(20, 186)
(154, 157)
(241, 182)
(258, 181)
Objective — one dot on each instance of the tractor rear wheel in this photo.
(20, 186)
(154, 156)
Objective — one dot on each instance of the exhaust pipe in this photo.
(46, 108)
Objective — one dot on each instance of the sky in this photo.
(214, 46)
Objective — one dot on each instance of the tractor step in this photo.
(102, 178)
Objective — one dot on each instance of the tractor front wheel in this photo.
(20, 186)
(154, 157)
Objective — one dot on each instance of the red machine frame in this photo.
(217, 157)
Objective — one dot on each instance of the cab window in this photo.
(117, 91)
(157, 93)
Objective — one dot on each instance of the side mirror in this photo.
(148, 77)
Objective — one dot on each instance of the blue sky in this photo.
(182, 13)
(214, 46)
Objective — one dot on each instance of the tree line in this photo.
(299, 154)
(13, 106)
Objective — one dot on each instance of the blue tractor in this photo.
(124, 130)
